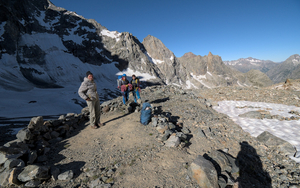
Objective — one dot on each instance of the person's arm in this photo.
(82, 91)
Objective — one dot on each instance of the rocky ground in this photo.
(125, 153)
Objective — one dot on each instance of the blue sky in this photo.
(232, 29)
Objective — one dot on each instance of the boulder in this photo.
(10, 153)
(154, 121)
(252, 114)
(173, 141)
(273, 141)
(12, 163)
(36, 123)
(24, 135)
(33, 183)
(4, 177)
(34, 172)
(68, 175)
(13, 176)
(224, 161)
(204, 172)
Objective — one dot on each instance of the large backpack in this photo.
(146, 113)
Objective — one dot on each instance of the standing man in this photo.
(88, 92)
(135, 82)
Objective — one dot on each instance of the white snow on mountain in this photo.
(111, 34)
(254, 60)
(155, 61)
(296, 62)
(142, 76)
(40, 18)
(190, 85)
(200, 78)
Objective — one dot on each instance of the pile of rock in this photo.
(170, 134)
(25, 160)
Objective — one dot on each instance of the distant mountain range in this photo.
(246, 64)
(277, 72)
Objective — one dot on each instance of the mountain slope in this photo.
(290, 68)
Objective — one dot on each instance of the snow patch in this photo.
(111, 34)
(209, 73)
(155, 61)
(296, 62)
(40, 18)
(45, 41)
(190, 85)
(286, 130)
(239, 84)
(171, 58)
(198, 78)
(141, 76)
(254, 60)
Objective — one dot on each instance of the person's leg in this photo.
(91, 105)
(134, 95)
(127, 95)
(124, 97)
(97, 112)
(138, 94)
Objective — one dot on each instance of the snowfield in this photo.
(286, 130)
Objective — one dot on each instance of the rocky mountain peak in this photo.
(189, 55)
(210, 54)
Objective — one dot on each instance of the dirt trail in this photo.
(130, 148)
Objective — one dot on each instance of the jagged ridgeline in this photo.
(47, 46)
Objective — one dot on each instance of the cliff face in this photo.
(165, 60)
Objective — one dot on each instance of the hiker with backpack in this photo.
(135, 82)
(88, 92)
(125, 88)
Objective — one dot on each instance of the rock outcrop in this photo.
(257, 78)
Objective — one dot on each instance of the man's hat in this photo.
(88, 73)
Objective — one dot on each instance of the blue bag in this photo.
(146, 113)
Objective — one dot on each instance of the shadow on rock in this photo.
(251, 171)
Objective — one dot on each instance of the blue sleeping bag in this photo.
(146, 113)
